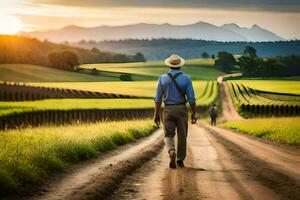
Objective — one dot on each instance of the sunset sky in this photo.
(281, 17)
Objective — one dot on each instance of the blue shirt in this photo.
(167, 91)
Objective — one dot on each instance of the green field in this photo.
(116, 76)
(35, 73)
(198, 69)
(291, 87)
(28, 155)
(8, 107)
(141, 88)
(284, 130)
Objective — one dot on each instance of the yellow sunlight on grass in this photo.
(9, 24)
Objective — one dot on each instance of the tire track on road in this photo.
(274, 166)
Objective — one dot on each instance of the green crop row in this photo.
(280, 86)
(209, 94)
(245, 95)
(7, 108)
(22, 92)
(250, 103)
(28, 155)
(284, 130)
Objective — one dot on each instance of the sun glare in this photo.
(9, 24)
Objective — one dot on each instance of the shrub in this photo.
(125, 77)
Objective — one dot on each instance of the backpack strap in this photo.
(176, 84)
(176, 75)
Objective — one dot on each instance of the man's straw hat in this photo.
(174, 61)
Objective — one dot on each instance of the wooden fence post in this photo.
(294, 110)
(297, 110)
(2, 125)
(261, 110)
(98, 115)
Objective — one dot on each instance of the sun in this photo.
(10, 24)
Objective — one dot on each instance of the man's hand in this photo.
(157, 113)
(193, 118)
(194, 111)
(157, 120)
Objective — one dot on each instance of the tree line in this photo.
(158, 49)
(24, 50)
(253, 66)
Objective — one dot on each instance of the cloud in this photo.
(267, 5)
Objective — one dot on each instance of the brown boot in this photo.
(172, 154)
(180, 163)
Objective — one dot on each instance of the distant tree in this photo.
(225, 61)
(82, 41)
(118, 58)
(212, 56)
(249, 66)
(66, 60)
(292, 63)
(54, 59)
(125, 77)
(271, 67)
(250, 52)
(138, 57)
(94, 72)
(205, 55)
(19, 49)
(95, 50)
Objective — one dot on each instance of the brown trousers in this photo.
(176, 117)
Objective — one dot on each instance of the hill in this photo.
(25, 50)
(35, 73)
(197, 69)
(200, 30)
(158, 49)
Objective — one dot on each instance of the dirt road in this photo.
(214, 172)
(228, 111)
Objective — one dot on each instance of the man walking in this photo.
(213, 112)
(173, 87)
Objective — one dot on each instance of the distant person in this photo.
(213, 113)
(172, 89)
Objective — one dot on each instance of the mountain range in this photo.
(200, 31)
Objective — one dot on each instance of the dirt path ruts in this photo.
(276, 166)
(96, 179)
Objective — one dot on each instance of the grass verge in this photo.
(30, 155)
(284, 130)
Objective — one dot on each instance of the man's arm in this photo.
(157, 113)
(158, 101)
(192, 100)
